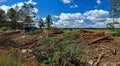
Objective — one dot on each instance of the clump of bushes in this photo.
(61, 54)
(35, 32)
(117, 31)
(70, 35)
(5, 28)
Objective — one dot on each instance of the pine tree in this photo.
(13, 17)
(48, 21)
(114, 12)
(2, 17)
(41, 23)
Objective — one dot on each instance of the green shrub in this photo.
(62, 55)
(70, 35)
(35, 32)
(73, 36)
(117, 32)
(6, 60)
(5, 28)
(54, 40)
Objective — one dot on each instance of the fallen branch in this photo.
(98, 60)
(97, 39)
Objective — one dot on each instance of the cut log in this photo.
(97, 39)
(98, 60)
(29, 43)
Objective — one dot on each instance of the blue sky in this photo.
(69, 13)
(55, 7)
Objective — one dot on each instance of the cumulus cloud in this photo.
(5, 8)
(67, 20)
(98, 2)
(20, 4)
(74, 6)
(93, 18)
(31, 1)
(66, 1)
(3, 0)
(96, 15)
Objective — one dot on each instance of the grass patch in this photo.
(7, 60)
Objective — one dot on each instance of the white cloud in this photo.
(31, 1)
(74, 6)
(66, 1)
(93, 18)
(3, 0)
(35, 10)
(5, 8)
(20, 4)
(70, 20)
(98, 2)
(96, 15)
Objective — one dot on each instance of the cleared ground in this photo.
(95, 47)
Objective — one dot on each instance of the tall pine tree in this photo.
(48, 21)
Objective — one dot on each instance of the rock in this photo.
(23, 36)
(24, 50)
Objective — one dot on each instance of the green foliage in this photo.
(28, 19)
(70, 35)
(76, 50)
(60, 52)
(35, 32)
(108, 63)
(54, 40)
(110, 26)
(13, 16)
(117, 31)
(19, 25)
(5, 28)
(114, 11)
(41, 23)
(26, 13)
(45, 30)
(2, 16)
(48, 21)
(7, 60)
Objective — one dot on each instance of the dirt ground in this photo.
(102, 49)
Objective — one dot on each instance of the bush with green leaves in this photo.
(35, 32)
(5, 28)
(117, 31)
(61, 54)
(54, 40)
(70, 35)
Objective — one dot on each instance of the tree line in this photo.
(16, 17)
